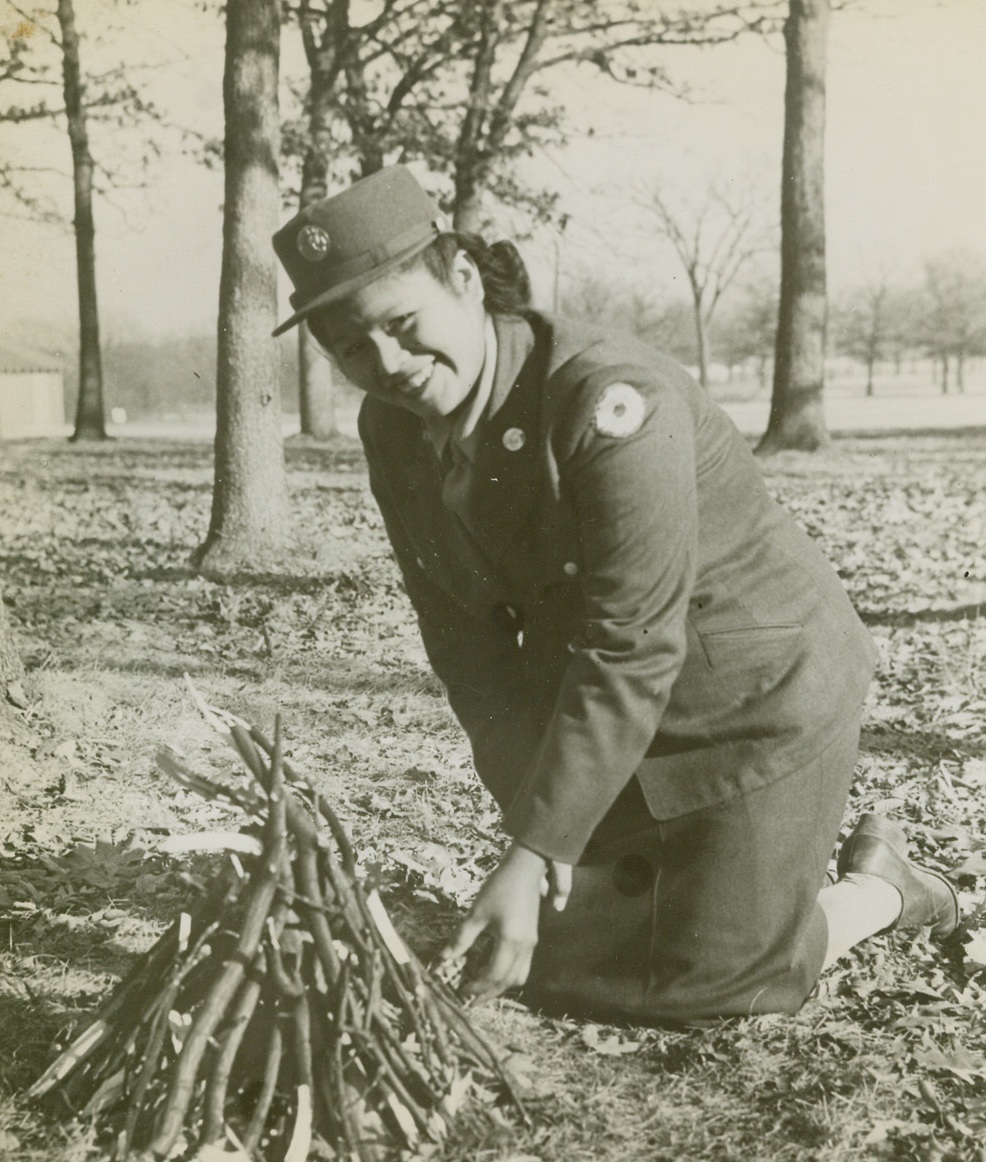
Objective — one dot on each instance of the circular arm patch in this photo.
(620, 411)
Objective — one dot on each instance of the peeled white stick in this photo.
(301, 1135)
(212, 841)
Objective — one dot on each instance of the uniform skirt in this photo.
(710, 915)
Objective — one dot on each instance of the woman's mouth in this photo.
(415, 382)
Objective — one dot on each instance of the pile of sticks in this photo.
(282, 1015)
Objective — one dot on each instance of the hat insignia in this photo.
(313, 243)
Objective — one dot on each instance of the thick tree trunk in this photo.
(249, 505)
(89, 420)
(796, 412)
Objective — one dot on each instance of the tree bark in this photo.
(11, 669)
(797, 418)
(248, 529)
(316, 401)
(90, 423)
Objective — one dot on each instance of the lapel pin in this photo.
(514, 439)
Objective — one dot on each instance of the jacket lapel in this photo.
(504, 481)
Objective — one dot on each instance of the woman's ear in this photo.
(466, 278)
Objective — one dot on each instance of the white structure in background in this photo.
(32, 401)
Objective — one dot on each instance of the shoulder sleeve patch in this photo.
(620, 411)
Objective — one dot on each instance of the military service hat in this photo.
(339, 244)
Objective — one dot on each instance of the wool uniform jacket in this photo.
(612, 594)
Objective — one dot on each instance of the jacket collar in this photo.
(506, 467)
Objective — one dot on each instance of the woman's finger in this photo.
(561, 884)
(465, 937)
(507, 968)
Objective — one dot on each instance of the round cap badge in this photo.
(620, 411)
(312, 243)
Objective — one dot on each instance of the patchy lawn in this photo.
(889, 1061)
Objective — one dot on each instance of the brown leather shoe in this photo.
(878, 847)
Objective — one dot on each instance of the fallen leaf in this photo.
(975, 947)
(611, 1046)
(959, 1061)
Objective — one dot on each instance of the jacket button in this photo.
(569, 568)
(514, 439)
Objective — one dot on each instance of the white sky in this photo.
(906, 173)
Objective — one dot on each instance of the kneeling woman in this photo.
(660, 675)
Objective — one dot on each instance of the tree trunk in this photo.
(249, 503)
(11, 669)
(701, 341)
(90, 423)
(960, 371)
(870, 364)
(316, 398)
(467, 210)
(944, 375)
(316, 402)
(797, 419)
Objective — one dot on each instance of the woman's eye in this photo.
(401, 324)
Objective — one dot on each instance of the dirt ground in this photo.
(889, 1061)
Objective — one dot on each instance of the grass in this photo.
(888, 1061)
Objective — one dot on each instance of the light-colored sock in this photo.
(857, 906)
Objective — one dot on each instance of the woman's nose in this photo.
(391, 356)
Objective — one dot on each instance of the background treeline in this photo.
(882, 337)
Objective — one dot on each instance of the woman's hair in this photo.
(505, 278)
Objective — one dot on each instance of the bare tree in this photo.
(249, 507)
(749, 329)
(463, 84)
(864, 324)
(797, 418)
(43, 60)
(89, 420)
(515, 45)
(714, 238)
(954, 311)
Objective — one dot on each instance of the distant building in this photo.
(32, 400)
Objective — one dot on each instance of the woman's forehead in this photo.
(380, 301)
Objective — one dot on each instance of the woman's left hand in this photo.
(507, 906)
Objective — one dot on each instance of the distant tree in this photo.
(249, 521)
(864, 324)
(953, 324)
(797, 418)
(714, 236)
(749, 330)
(43, 59)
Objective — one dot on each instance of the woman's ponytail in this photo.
(506, 283)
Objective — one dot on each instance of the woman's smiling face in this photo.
(409, 339)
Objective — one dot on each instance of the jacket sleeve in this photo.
(635, 503)
(477, 658)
